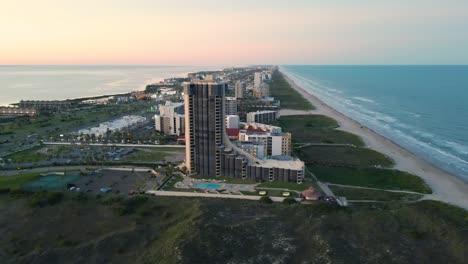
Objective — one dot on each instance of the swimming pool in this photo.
(207, 185)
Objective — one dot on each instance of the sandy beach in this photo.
(446, 187)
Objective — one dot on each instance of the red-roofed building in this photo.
(181, 139)
(233, 133)
(310, 194)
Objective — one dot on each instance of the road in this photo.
(113, 145)
(376, 189)
(69, 168)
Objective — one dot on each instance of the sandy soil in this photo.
(446, 187)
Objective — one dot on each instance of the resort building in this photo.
(170, 120)
(209, 151)
(275, 144)
(255, 149)
(232, 121)
(262, 116)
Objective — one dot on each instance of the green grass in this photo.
(15, 182)
(196, 230)
(170, 185)
(153, 155)
(290, 98)
(284, 185)
(30, 155)
(375, 195)
(343, 156)
(370, 177)
(316, 129)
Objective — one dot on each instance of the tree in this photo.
(266, 200)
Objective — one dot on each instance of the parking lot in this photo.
(119, 181)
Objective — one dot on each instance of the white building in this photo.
(113, 126)
(232, 121)
(170, 125)
(171, 108)
(255, 149)
(275, 144)
(230, 105)
(262, 116)
(170, 120)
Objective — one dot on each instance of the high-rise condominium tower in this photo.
(209, 152)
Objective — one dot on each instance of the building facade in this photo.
(239, 89)
(209, 152)
(232, 121)
(230, 106)
(275, 144)
(171, 119)
(262, 116)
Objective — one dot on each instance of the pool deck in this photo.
(224, 187)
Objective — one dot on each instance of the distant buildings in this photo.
(239, 89)
(17, 111)
(231, 105)
(261, 88)
(232, 121)
(45, 106)
(262, 116)
(170, 120)
(209, 152)
(113, 126)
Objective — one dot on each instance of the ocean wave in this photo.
(432, 148)
(363, 99)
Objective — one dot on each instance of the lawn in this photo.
(363, 194)
(29, 155)
(343, 156)
(290, 98)
(316, 129)
(284, 185)
(153, 155)
(370, 177)
(16, 181)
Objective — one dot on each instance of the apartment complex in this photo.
(210, 152)
(171, 119)
(231, 105)
(239, 89)
(262, 116)
(275, 144)
(232, 121)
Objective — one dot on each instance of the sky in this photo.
(240, 32)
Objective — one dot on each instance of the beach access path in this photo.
(446, 187)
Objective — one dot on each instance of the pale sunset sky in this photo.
(176, 32)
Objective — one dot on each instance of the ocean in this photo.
(67, 82)
(422, 108)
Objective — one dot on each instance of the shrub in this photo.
(266, 200)
(44, 198)
(289, 200)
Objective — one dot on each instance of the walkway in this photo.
(211, 195)
(114, 145)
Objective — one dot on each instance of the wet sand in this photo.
(446, 187)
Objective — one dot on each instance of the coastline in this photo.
(445, 186)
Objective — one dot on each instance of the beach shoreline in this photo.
(445, 186)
